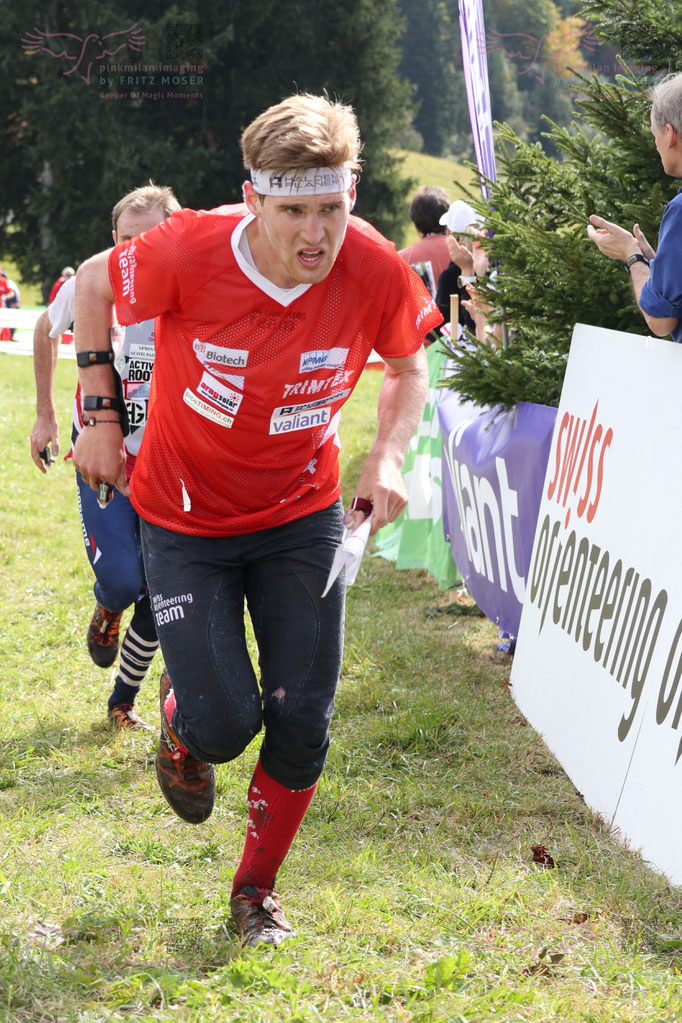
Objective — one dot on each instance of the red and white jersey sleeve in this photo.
(247, 386)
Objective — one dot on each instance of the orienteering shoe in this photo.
(188, 784)
(259, 917)
(123, 717)
(103, 636)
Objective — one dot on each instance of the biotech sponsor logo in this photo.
(332, 358)
(170, 609)
(206, 410)
(212, 355)
(127, 261)
(313, 386)
(227, 399)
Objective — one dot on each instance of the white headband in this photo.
(316, 181)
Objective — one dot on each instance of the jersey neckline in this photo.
(242, 253)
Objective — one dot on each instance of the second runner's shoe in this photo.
(103, 636)
(188, 784)
(122, 717)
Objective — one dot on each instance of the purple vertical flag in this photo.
(475, 63)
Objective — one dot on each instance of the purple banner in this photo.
(475, 62)
(494, 466)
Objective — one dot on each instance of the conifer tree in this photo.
(549, 276)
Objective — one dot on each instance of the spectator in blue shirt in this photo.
(656, 274)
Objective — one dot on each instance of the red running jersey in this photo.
(249, 379)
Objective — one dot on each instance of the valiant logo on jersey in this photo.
(224, 397)
(333, 358)
(295, 420)
(306, 416)
(207, 354)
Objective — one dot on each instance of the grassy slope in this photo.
(432, 170)
(411, 884)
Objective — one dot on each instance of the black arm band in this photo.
(93, 403)
(637, 257)
(93, 358)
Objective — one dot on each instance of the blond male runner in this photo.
(267, 312)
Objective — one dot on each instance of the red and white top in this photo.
(249, 378)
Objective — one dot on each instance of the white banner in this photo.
(598, 664)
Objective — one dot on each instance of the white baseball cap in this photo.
(460, 215)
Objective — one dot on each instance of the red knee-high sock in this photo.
(275, 815)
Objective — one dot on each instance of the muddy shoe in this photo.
(188, 784)
(259, 917)
(102, 636)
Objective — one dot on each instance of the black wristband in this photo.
(93, 358)
(636, 257)
(95, 402)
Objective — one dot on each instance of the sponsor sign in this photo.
(206, 410)
(305, 416)
(598, 664)
(140, 370)
(311, 385)
(145, 352)
(333, 358)
(137, 411)
(235, 358)
(493, 469)
(290, 418)
(127, 262)
(416, 538)
(224, 397)
(475, 65)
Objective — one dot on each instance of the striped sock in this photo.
(136, 656)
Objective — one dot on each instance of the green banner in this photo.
(416, 538)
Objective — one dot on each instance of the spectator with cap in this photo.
(429, 256)
(467, 261)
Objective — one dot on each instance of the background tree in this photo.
(430, 48)
(548, 275)
(72, 148)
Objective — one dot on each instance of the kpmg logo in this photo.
(79, 53)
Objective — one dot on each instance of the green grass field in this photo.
(412, 883)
